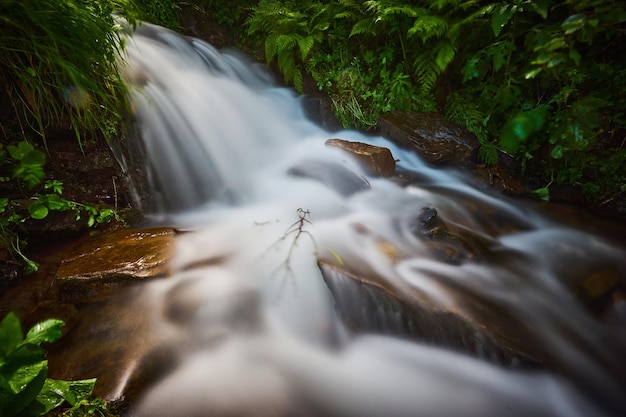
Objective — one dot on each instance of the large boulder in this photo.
(112, 259)
(436, 139)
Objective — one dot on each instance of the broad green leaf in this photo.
(574, 23)
(56, 202)
(4, 202)
(34, 157)
(24, 375)
(25, 354)
(533, 73)
(521, 127)
(501, 17)
(46, 331)
(541, 7)
(20, 151)
(26, 383)
(55, 392)
(574, 56)
(10, 334)
(38, 210)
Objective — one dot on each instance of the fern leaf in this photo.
(488, 153)
(404, 10)
(446, 52)
(306, 45)
(270, 47)
(364, 26)
(297, 80)
(286, 43)
(427, 27)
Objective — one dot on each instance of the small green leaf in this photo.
(574, 56)
(46, 331)
(4, 202)
(541, 7)
(34, 157)
(20, 151)
(533, 73)
(542, 194)
(10, 334)
(574, 23)
(557, 152)
(55, 202)
(38, 210)
(501, 17)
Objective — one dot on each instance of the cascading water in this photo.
(253, 314)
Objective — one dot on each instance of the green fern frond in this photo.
(427, 27)
(426, 72)
(446, 51)
(286, 43)
(403, 10)
(297, 80)
(488, 153)
(306, 45)
(270, 47)
(362, 27)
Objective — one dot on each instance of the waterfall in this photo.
(274, 307)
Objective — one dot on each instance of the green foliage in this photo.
(26, 165)
(25, 390)
(160, 12)
(539, 79)
(59, 62)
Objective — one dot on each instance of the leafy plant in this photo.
(539, 79)
(26, 166)
(25, 389)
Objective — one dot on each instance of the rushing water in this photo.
(255, 325)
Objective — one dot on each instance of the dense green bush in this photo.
(539, 79)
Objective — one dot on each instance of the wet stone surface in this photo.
(434, 138)
(123, 256)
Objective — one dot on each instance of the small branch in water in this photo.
(297, 230)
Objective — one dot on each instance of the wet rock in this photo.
(598, 284)
(449, 244)
(501, 179)
(374, 159)
(428, 223)
(367, 307)
(112, 259)
(433, 137)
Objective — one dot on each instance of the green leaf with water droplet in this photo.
(38, 210)
(45, 332)
(500, 18)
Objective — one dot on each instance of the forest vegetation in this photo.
(540, 80)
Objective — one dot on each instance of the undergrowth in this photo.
(538, 79)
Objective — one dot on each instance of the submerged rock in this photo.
(368, 307)
(433, 137)
(114, 258)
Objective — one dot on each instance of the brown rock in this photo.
(374, 159)
(433, 137)
(114, 258)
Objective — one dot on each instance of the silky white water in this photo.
(255, 325)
